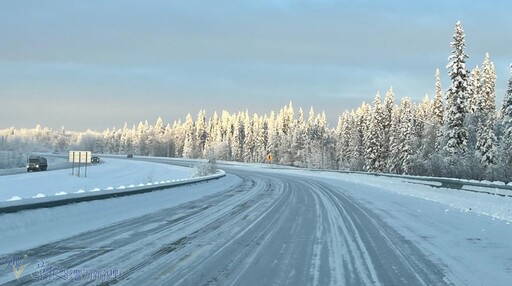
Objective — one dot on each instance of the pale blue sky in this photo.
(96, 64)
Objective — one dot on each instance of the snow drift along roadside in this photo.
(41, 201)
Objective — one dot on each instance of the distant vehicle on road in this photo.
(95, 159)
(129, 156)
(37, 163)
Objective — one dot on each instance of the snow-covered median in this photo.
(112, 174)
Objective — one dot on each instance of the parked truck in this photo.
(37, 163)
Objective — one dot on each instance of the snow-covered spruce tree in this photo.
(249, 152)
(389, 104)
(393, 163)
(189, 146)
(423, 136)
(357, 142)
(318, 137)
(474, 89)
(142, 138)
(238, 137)
(201, 132)
(474, 99)
(374, 137)
(407, 133)
(456, 99)
(273, 137)
(168, 140)
(505, 147)
(262, 139)
(402, 129)
(286, 124)
(310, 139)
(179, 138)
(343, 141)
(506, 108)
(422, 119)
(486, 151)
(438, 112)
(299, 141)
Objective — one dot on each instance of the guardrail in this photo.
(448, 183)
(72, 198)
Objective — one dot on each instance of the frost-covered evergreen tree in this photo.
(401, 138)
(438, 113)
(389, 105)
(342, 135)
(237, 141)
(323, 140)
(249, 151)
(299, 141)
(179, 138)
(262, 139)
(407, 130)
(168, 141)
(357, 142)
(395, 139)
(424, 136)
(189, 146)
(506, 108)
(201, 132)
(456, 97)
(486, 150)
(286, 124)
(474, 90)
(272, 137)
(474, 100)
(505, 147)
(142, 138)
(374, 137)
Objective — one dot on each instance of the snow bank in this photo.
(495, 206)
(112, 172)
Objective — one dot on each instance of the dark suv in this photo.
(95, 160)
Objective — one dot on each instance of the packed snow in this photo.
(495, 206)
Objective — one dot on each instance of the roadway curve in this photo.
(52, 166)
(270, 229)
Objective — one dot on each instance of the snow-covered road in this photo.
(259, 227)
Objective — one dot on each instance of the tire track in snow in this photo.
(390, 258)
(270, 229)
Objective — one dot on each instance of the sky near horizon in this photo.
(97, 64)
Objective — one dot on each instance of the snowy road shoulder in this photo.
(487, 201)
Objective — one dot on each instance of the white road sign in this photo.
(80, 156)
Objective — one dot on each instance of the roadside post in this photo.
(79, 157)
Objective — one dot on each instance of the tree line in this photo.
(458, 133)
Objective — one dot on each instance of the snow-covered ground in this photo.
(109, 174)
(494, 206)
(467, 232)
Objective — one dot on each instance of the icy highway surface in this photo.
(261, 227)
